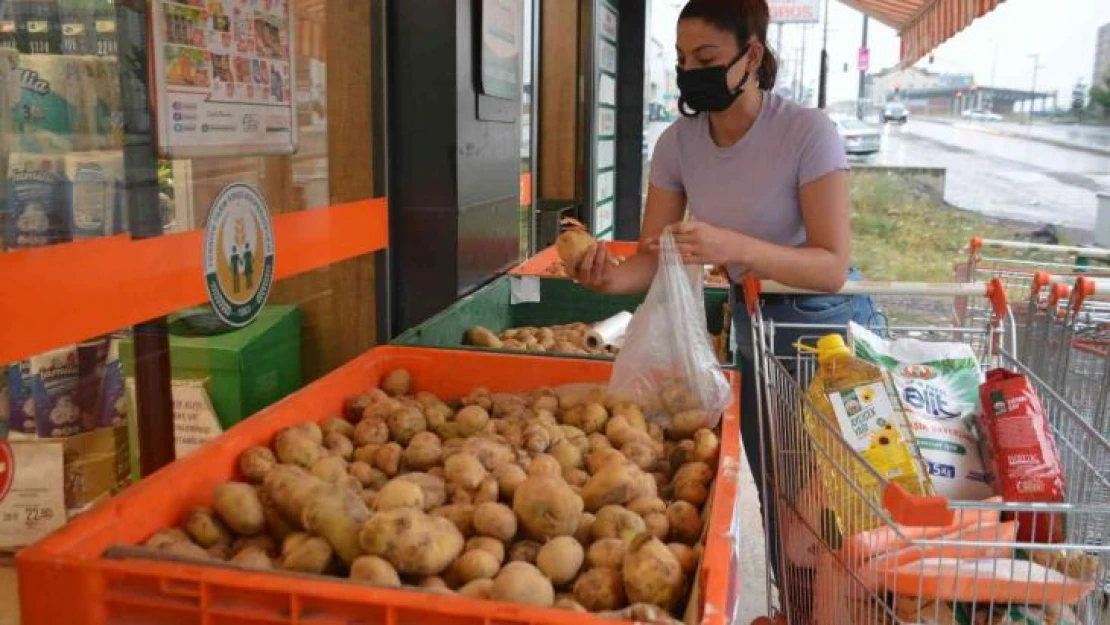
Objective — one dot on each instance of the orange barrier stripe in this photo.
(526, 189)
(63, 294)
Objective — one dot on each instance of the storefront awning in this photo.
(924, 24)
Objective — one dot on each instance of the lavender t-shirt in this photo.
(750, 186)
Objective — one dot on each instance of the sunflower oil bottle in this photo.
(862, 412)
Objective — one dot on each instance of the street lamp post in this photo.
(1033, 93)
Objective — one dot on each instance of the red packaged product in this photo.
(1021, 452)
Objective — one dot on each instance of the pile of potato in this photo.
(564, 339)
(552, 498)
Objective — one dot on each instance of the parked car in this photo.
(981, 115)
(895, 112)
(859, 137)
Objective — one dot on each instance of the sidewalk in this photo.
(986, 128)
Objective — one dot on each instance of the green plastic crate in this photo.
(560, 302)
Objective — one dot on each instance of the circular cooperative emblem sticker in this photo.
(7, 468)
(238, 254)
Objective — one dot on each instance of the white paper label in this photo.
(524, 290)
(32, 495)
(194, 419)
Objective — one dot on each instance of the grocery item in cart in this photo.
(997, 580)
(939, 387)
(1021, 451)
(854, 394)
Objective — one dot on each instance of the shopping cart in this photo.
(889, 574)
(1016, 263)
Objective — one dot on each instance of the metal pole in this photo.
(859, 98)
(1033, 92)
(802, 66)
(822, 82)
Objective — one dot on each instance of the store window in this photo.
(248, 185)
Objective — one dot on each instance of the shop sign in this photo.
(795, 11)
(238, 254)
(223, 77)
(500, 62)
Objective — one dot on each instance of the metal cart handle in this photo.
(993, 290)
(978, 244)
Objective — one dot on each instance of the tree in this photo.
(1100, 95)
(1078, 100)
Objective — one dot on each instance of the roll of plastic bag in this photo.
(609, 332)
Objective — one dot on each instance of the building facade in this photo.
(1102, 55)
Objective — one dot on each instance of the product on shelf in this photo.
(938, 384)
(557, 497)
(865, 415)
(569, 338)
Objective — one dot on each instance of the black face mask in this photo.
(706, 88)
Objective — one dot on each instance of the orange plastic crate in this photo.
(65, 577)
(540, 264)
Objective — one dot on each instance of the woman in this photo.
(766, 185)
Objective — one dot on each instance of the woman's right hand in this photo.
(593, 269)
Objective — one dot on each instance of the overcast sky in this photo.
(995, 48)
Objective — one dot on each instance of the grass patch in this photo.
(901, 234)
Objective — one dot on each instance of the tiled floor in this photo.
(752, 573)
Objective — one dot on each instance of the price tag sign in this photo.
(32, 497)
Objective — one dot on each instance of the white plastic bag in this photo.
(667, 363)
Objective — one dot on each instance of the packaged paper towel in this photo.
(49, 111)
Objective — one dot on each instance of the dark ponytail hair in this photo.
(744, 19)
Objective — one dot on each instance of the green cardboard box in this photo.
(247, 368)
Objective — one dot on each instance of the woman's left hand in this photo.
(703, 244)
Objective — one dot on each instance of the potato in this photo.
(614, 483)
(707, 446)
(694, 492)
(560, 559)
(598, 442)
(536, 438)
(397, 383)
(694, 471)
(567, 602)
(658, 525)
(404, 423)
(617, 522)
(509, 477)
(312, 430)
(481, 337)
(398, 493)
(686, 556)
(461, 496)
(277, 524)
(306, 554)
(490, 451)
(464, 470)
(375, 571)
(205, 529)
(293, 446)
(607, 553)
(652, 574)
(460, 515)
(387, 459)
(521, 582)
(289, 487)
(684, 424)
(238, 505)
(253, 558)
(644, 506)
(434, 581)
(547, 507)
(641, 454)
(472, 565)
(487, 491)
(576, 477)
(381, 410)
(479, 397)
(495, 547)
(336, 518)
(413, 542)
(681, 453)
(435, 489)
(369, 498)
(590, 417)
(524, 551)
(567, 454)
(595, 460)
(600, 589)
(685, 522)
(584, 534)
(256, 462)
(677, 397)
(423, 452)
(166, 537)
(331, 469)
(477, 589)
(631, 413)
(367, 475)
(472, 420)
(495, 520)
(371, 431)
(259, 542)
(544, 465)
(339, 445)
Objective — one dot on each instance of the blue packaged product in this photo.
(38, 209)
(21, 400)
(113, 405)
(92, 189)
(48, 113)
(55, 378)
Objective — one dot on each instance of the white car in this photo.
(981, 115)
(859, 137)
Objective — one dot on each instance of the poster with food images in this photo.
(224, 72)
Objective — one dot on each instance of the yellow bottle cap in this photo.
(831, 346)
